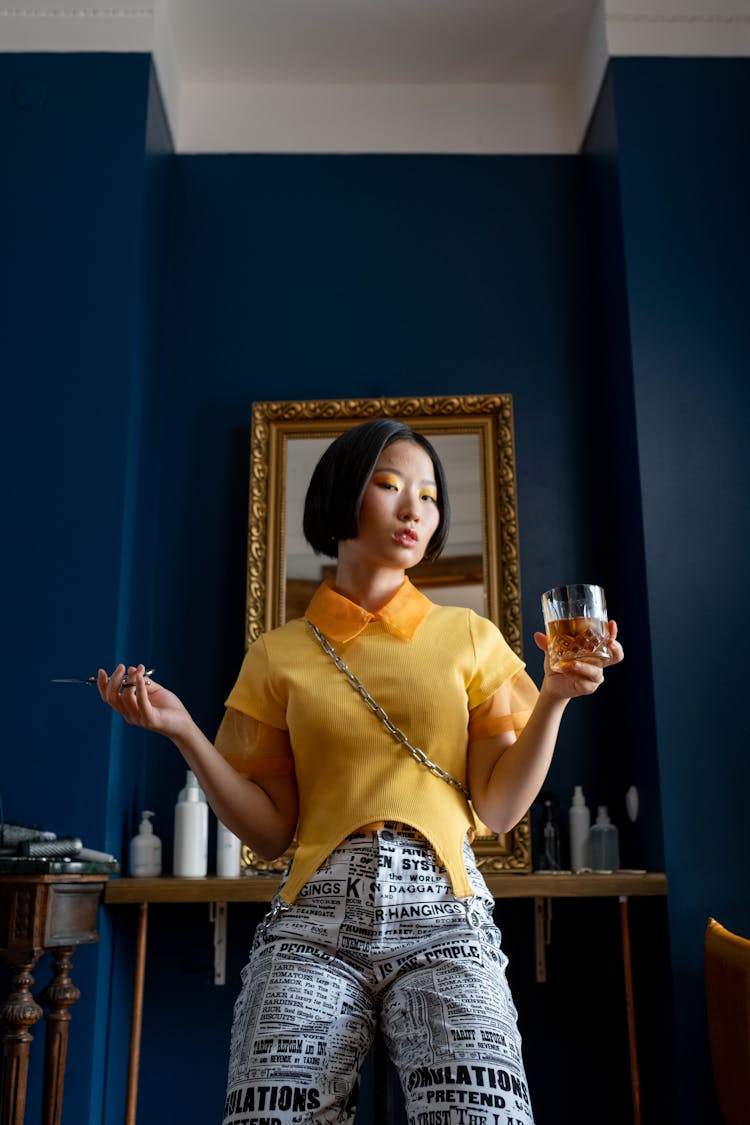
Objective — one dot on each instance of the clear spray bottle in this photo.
(605, 843)
(550, 860)
(579, 824)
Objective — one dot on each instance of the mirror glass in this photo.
(473, 436)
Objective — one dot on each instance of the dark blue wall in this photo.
(305, 277)
(75, 190)
(153, 299)
(73, 182)
(617, 481)
(684, 156)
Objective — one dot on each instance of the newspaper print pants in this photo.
(377, 936)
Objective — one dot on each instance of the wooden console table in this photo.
(541, 887)
(44, 907)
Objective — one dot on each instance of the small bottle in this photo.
(550, 840)
(145, 850)
(579, 823)
(227, 852)
(605, 846)
(631, 803)
(191, 831)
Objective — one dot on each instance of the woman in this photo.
(382, 917)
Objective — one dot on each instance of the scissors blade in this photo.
(74, 680)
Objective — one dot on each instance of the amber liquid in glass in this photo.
(578, 638)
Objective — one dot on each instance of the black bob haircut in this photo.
(334, 495)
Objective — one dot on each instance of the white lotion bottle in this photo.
(191, 831)
(227, 852)
(579, 825)
(145, 850)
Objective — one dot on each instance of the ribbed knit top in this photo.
(428, 667)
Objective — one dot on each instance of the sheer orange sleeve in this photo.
(507, 709)
(253, 748)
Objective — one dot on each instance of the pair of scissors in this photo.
(91, 680)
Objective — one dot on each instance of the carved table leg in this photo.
(59, 995)
(19, 1012)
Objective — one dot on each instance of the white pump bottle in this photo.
(145, 850)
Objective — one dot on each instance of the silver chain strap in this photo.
(377, 710)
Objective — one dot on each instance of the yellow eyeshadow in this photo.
(385, 477)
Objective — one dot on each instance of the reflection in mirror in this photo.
(456, 578)
(473, 436)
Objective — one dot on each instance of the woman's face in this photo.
(399, 513)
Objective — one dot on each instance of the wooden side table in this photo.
(44, 907)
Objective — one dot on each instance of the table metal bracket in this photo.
(542, 935)
(217, 913)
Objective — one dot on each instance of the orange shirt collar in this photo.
(342, 620)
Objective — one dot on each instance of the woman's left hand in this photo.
(142, 702)
(578, 677)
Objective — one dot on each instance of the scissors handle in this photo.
(126, 682)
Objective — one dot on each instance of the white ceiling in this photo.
(379, 41)
(381, 75)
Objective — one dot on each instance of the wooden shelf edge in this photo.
(168, 888)
(567, 885)
(261, 888)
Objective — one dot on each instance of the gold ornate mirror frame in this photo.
(278, 426)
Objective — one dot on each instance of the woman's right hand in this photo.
(142, 702)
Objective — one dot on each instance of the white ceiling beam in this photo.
(380, 118)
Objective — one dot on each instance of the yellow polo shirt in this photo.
(429, 667)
